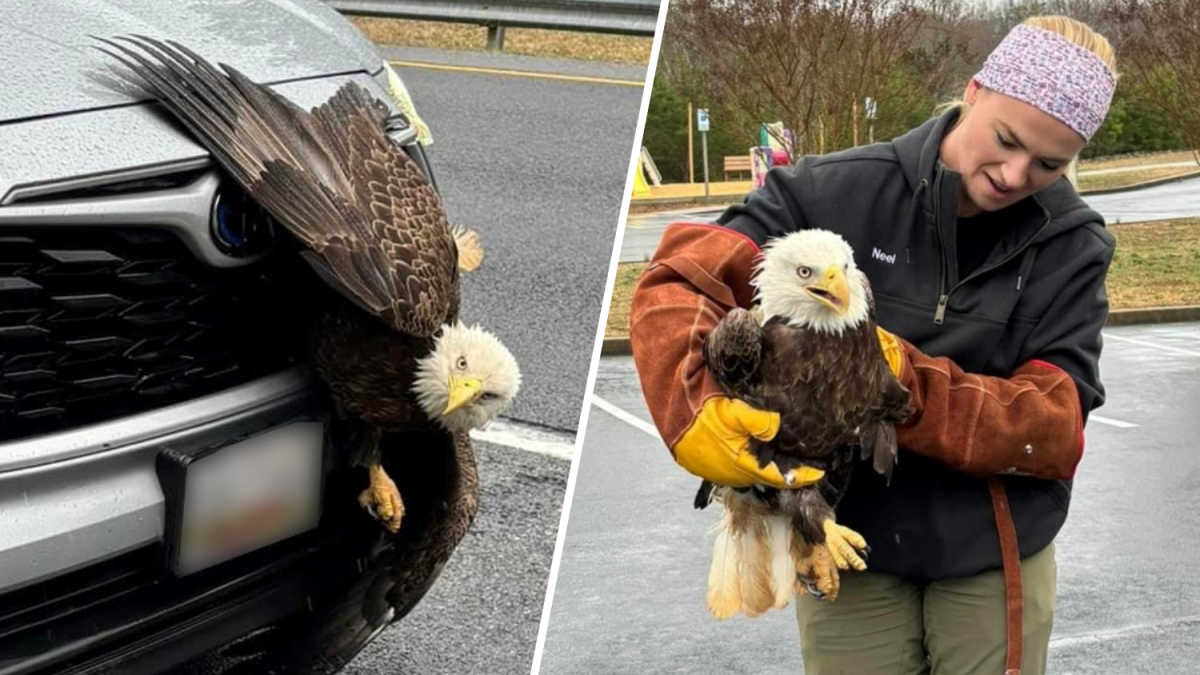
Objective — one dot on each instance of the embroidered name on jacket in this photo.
(889, 258)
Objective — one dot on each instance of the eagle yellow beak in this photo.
(832, 290)
(462, 392)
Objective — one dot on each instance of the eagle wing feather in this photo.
(332, 177)
(733, 351)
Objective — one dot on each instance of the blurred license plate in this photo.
(227, 501)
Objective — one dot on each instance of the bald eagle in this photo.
(389, 344)
(816, 360)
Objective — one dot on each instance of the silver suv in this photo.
(147, 344)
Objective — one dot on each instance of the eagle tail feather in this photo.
(783, 568)
(470, 250)
(883, 449)
(755, 549)
(724, 590)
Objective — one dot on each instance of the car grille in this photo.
(101, 323)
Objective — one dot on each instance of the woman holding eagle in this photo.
(988, 272)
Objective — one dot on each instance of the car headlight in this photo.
(402, 98)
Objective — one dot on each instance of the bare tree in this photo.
(1159, 42)
(811, 63)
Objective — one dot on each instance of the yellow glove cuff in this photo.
(893, 353)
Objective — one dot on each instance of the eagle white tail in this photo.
(724, 588)
(755, 568)
(783, 567)
(470, 250)
(752, 569)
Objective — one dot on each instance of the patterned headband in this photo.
(1052, 74)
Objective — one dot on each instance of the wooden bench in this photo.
(738, 164)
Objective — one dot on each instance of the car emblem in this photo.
(240, 227)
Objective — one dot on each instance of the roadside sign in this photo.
(702, 119)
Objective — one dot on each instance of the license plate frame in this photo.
(228, 499)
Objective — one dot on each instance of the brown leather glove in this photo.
(1030, 423)
(698, 273)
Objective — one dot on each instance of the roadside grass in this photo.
(1128, 178)
(1155, 265)
(527, 41)
(1136, 160)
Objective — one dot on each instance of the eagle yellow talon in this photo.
(819, 574)
(382, 500)
(844, 545)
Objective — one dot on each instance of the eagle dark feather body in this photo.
(834, 392)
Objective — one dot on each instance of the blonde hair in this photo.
(1075, 31)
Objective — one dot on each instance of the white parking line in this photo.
(526, 437)
(1153, 345)
(1180, 335)
(1139, 630)
(1111, 422)
(628, 418)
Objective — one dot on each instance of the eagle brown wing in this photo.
(733, 351)
(375, 226)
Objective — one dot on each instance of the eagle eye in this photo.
(804, 272)
(461, 363)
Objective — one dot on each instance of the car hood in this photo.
(50, 68)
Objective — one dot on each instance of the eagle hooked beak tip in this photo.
(832, 290)
(463, 391)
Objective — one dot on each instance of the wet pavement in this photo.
(631, 586)
(1162, 202)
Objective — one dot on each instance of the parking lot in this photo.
(630, 594)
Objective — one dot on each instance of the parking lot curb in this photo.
(619, 346)
(1149, 315)
(1140, 186)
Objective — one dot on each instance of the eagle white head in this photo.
(809, 279)
(468, 380)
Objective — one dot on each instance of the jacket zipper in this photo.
(939, 316)
(944, 296)
(945, 299)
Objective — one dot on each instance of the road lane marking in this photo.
(1139, 630)
(527, 437)
(521, 73)
(1153, 345)
(1111, 422)
(628, 418)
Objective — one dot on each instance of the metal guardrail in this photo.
(628, 17)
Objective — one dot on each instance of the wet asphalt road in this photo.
(1163, 202)
(630, 591)
(539, 168)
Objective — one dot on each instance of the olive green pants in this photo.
(883, 625)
